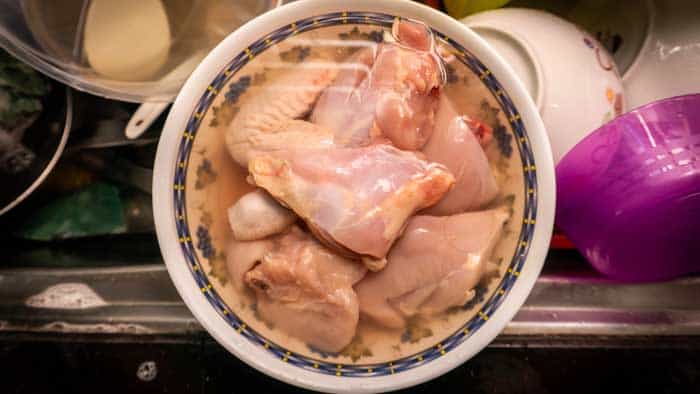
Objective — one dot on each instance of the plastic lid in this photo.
(131, 50)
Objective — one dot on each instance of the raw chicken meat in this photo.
(391, 93)
(302, 288)
(290, 134)
(257, 215)
(341, 108)
(455, 145)
(266, 121)
(242, 256)
(355, 200)
(433, 266)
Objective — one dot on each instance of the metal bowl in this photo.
(45, 139)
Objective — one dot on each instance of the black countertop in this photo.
(74, 364)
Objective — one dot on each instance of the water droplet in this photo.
(147, 371)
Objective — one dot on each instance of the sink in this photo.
(117, 285)
(570, 304)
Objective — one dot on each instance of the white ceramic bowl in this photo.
(571, 77)
(668, 65)
(185, 238)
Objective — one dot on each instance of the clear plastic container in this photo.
(131, 50)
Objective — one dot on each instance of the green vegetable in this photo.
(95, 210)
(462, 8)
(21, 91)
(20, 78)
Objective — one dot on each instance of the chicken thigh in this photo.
(301, 287)
(433, 266)
(390, 93)
(355, 200)
(455, 145)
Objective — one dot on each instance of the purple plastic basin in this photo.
(628, 195)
